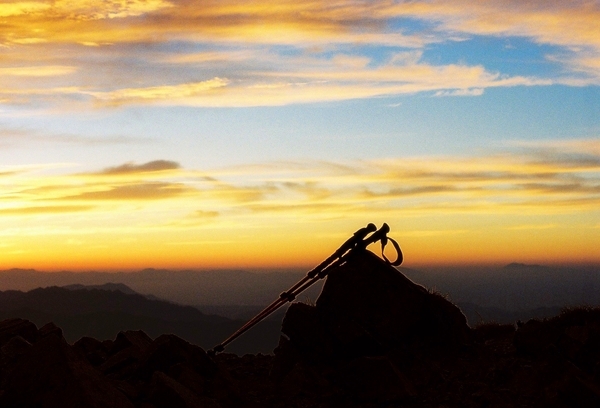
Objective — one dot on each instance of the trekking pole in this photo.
(358, 240)
(379, 235)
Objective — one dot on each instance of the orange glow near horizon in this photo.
(442, 211)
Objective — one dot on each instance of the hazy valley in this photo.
(100, 304)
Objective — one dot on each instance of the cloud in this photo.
(43, 210)
(10, 9)
(142, 191)
(37, 71)
(24, 137)
(263, 53)
(160, 93)
(572, 26)
(82, 9)
(531, 227)
(461, 92)
(545, 188)
(131, 168)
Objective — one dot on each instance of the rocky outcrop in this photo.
(367, 323)
(38, 368)
(368, 308)
(50, 373)
(373, 339)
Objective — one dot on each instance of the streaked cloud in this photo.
(37, 71)
(24, 137)
(536, 177)
(41, 210)
(461, 92)
(243, 53)
(153, 166)
(171, 93)
(526, 189)
(141, 191)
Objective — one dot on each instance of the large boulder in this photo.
(18, 327)
(369, 308)
(52, 374)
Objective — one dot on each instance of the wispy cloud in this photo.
(130, 168)
(142, 191)
(526, 189)
(170, 93)
(41, 210)
(37, 71)
(24, 137)
(248, 53)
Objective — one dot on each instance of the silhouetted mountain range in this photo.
(111, 287)
(515, 287)
(514, 292)
(221, 287)
(102, 313)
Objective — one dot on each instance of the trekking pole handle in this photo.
(381, 235)
(355, 240)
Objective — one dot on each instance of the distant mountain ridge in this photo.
(102, 313)
(514, 287)
(518, 265)
(216, 287)
(110, 286)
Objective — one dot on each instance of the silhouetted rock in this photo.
(130, 338)
(568, 347)
(168, 351)
(376, 379)
(165, 392)
(18, 327)
(14, 348)
(368, 308)
(373, 339)
(50, 329)
(95, 351)
(125, 353)
(369, 328)
(51, 374)
(10, 352)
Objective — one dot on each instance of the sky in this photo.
(261, 134)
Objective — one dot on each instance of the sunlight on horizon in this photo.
(262, 134)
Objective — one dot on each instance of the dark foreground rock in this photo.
(38, 368)
(374, 339)
(368, 308)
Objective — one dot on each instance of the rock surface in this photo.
(373, 339)
(368, 308)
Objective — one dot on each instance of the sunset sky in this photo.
(260, 134)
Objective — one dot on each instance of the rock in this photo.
(165, 392)
(535, 337)
(368, 321)
(368, 308)
(14, 348)
(18, 327)
(130, 338)
(51, 374)
(169, 350)
(10, 352)
(376, 379)
(94, 350)
(306, 380)
(125, 353)
(50, 329)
